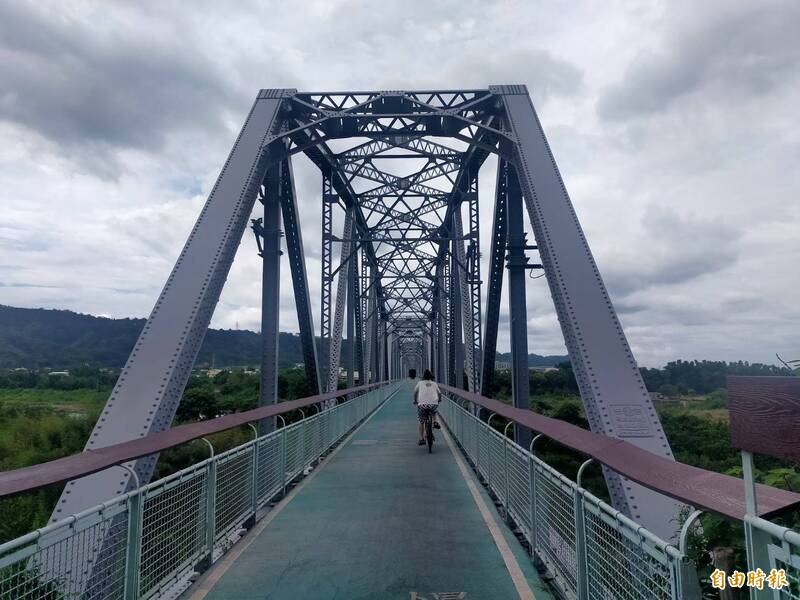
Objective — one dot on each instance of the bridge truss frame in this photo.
(408, 282)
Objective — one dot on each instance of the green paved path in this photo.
(381, 520)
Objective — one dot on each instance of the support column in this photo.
(297, 264)
(471, 345)
(329, 198)
(352, 302)
(386, 375)
(270, 294)
(441, 329)
(456, 344)
(518, 314)
(341, 295)
(496, 268)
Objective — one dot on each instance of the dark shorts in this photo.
(424, 411)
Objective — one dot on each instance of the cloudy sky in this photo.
(675, 125)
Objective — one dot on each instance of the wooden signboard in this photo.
(765, 415)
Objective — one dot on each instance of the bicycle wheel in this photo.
(429, 432)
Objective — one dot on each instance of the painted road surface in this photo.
(381, 519)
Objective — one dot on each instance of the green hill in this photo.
(37, 337)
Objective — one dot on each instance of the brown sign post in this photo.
(765, 419)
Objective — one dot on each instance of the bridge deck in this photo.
(380, 519)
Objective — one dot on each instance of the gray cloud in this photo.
(675, 249)
(127, 111)
(94, 90)
(738, 48)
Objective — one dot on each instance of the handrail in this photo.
(717, 493)
(91, 461)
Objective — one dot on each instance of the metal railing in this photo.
(155, 537)
(590, 549)
(770, 546)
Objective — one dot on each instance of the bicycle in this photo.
(429, 414)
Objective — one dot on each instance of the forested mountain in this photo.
(37, 337)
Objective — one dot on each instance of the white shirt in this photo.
(427, 393)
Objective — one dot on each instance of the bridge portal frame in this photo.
(499, 120)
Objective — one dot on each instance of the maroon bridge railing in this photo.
(88, 462)
(721, 494)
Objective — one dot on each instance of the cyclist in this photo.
(426, 397)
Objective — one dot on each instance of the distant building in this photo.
(213, 372)
(543, 369)
(59, 373)
(502, 366)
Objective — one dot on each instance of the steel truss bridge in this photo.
(402, 286)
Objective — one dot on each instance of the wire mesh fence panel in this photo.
(555, 526)
(497, 473)
(86, 556)
(622, 560)
(293, 451)
(80, 557)
(269, 477)
(620, 563)
(484, 464)
(519, 489)
(778, 548)
(234, 491)
(173, 529)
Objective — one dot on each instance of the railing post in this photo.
(532, 492)
(254, 479)
(581, 566)
(211, 507)
(133, 553)
(283, 458)
(489, 449)
(756, 541)
(505, 460)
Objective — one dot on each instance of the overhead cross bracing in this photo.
(401, 279)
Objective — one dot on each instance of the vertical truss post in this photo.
(329, 198)
(352, 318)
(442, 372)
(432, 345)
(455, 309)
(369, 322)
(362, 326)
(270, 293)
(359, 312)
(496, 267)
(297, 264)
(341, 296)
(462, 276)
(449, 319)
(385, 375)
(474, 281)
(518, 314)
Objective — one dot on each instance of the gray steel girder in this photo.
(151, 383)
(613, 392)
(297, 264)
(270, 292)
(338, 315)
(496, 268)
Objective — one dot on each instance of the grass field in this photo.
(62, 401)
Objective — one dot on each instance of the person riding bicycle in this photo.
(426, 397)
